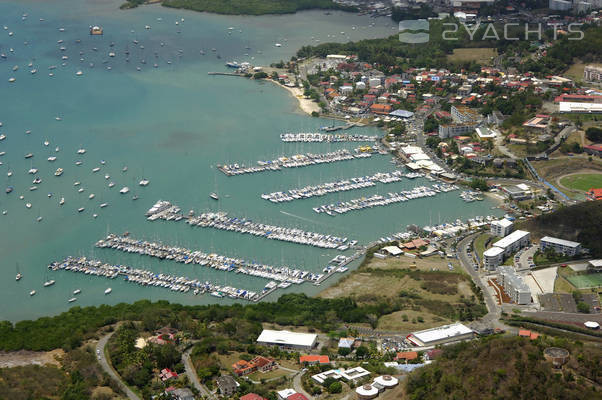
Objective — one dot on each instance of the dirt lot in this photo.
(24, 357)
(482, 55)
(558, 302)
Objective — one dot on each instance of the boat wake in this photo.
(302, 218)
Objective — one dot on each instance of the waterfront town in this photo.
(506, 303)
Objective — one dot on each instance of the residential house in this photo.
(227, 385)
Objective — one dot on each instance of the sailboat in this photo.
(213, 194)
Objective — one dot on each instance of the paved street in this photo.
(100, 347)
(193, 377)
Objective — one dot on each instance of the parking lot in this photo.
(558, 302)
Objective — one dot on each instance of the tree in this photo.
(335, 387)
(362, 352)
(344, 351)
(594, 134)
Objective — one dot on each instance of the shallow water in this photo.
(171, 124)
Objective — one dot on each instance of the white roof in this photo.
(561, 242)
(354, 373)
(595, 263)
(592, 324)
(511, 239)
(287, 338)
(322, 376)
(366, 390)
(285, 393)
(393, 250)
(442, 332)
(386, 380)
(493, 252)
(504, 223)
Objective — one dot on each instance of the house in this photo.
(528, 334)
(297, 396)
(354, 374)
(227, 385)
(167, 374)
(406, 355)
(251, 396)
(182, 394)
(312, 360)
(382, 109)
(433, 354)
(259, 363)
(285, 394)
(346, 343)
(594, 149)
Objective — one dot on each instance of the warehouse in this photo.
(440, 335)
(287, 340)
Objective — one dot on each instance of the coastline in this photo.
(307, 106)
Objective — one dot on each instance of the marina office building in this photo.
(514, 286)
(502, 227)
(560, 246)
(288, 340)
(504, 247)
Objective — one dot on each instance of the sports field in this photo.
(481, 55)
(582, 181)
(586, 281)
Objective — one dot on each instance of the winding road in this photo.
(193, 377)
(108, 368)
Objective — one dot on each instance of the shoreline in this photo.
(307, 106)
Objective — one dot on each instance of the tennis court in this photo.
(586, 281)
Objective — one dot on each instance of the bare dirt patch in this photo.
(23, 357)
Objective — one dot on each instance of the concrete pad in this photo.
(535, 290)
(578, 267)
(546, 278)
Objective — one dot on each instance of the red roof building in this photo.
(314, 359)
(251, 396)
(167, 374)
(297, 396)
(407, 355)
(594, 194)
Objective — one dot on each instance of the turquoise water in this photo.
(172, 125)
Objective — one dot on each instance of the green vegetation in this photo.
(508, 368)
(17, 383)
(253, 7)
(69, 329)
(480, 184)
(582, 281)
(594, 134)
(579, 222)
(582, 181)
(557, 327)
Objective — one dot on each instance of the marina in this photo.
(297, 161)
(211, 260)
(380, 200)
(144, 277)
(220, 220)
(317, 137)
(344, 185)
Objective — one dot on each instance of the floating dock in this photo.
(221, 220)
(316, 137)
(344, 185)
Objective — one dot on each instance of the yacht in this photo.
(9, 189)
(76, 183)
(18, 277)
(124, 190)
(62, 201)
(108, 290)
(144, 182)
(28, 155)
(78, 163)
(52, 158)
(111, 184)
(81, 151)
(2, 136)
(91, 196)
(96, 169)
(103, 205)
(77, 291)
(79, 73)
(28, 205)
(81, 209)
(46, 142)
(32, 292)
(58, 172)
(214, 196)
(71, 300)
(49, 283)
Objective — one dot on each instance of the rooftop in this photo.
(511, 239)
(560, 242)
(442, 332)
(493, 252)
(287, 338)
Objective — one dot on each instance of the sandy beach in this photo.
(306, 105)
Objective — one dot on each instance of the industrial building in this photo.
(288, 340)
(514, 286)
(440, 335)
(502, 227)
(560, 246)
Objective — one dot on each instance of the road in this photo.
(193, 377)
(299, 387)
(494, 313)
(100, 353)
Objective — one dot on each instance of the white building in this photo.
(493, 257)
(285, 394)
(514, 286)
(345, 90)
(360, 85)
(455, 129)
(560, 5)
(502, 227)
(374, 82)
(561, 246)
(366, 392)
(354, 374)
(513, 242)
(440, 335)
(322, 376)
(288, 340)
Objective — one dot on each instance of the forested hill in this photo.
(508, 368)
(247, 7)
(391, 55)
(580, 222)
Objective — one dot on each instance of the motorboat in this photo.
(108, 290)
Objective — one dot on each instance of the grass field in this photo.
(481, 55)
(586, 281)
(575, 72)
(582, 181)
